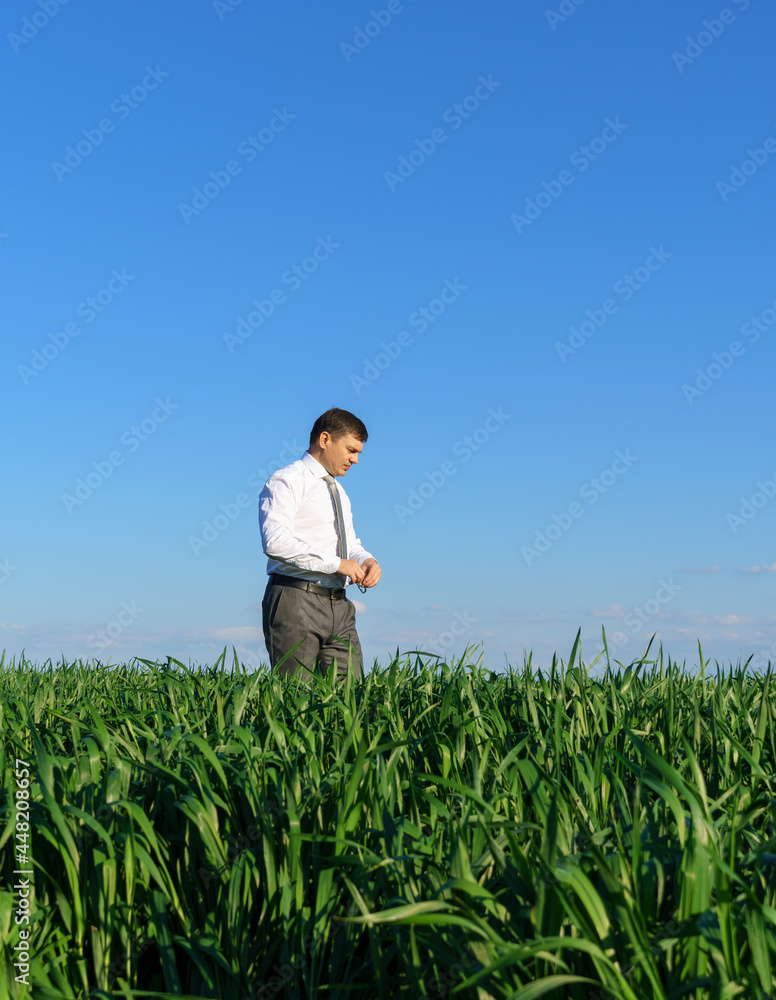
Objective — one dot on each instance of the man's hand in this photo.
(372, 572)
(349, 567)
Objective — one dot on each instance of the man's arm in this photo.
(277, 506)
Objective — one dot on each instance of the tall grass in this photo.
(430, 830)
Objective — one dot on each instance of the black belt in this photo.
(280, 580)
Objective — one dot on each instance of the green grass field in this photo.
(431, 831)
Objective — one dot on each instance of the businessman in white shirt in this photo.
(308, 537)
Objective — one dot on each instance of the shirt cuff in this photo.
(330, 565)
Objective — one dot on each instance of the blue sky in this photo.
(529, 245)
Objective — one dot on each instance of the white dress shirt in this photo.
(298, 524)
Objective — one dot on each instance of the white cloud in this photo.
(759, 569)
(615, 611)
(729, 619)
(240, 633)
(701, 569)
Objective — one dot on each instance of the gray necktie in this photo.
(338, 517)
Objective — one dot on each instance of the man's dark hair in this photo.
(337, 423)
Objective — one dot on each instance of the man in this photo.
(308, 536)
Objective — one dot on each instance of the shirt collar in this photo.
(314, 465)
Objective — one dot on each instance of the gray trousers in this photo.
(319, 626)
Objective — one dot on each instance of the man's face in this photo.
(338, 455)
